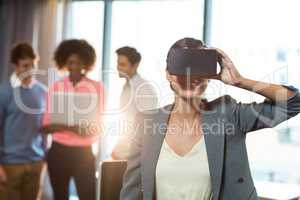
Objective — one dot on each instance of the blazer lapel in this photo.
(153, 142)
(152, 146)
(215, 153)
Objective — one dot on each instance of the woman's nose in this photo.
(74, 66)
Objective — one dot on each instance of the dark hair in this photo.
(132, 54)
(186, 43)
(21, 50)
(80, 48)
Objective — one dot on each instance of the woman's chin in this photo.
(190, 95)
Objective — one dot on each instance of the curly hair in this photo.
(21, 50)
(80, 48)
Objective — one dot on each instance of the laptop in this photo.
(74, 108)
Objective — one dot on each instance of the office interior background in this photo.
(261, 37)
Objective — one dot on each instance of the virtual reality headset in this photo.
(194, 62)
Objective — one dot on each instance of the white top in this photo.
(16, 82)
(183, 177)
(138, 95)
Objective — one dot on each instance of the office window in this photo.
(262, 39)
(87, 23)
(151, 27)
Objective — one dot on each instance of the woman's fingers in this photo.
(52, 128)
(223, 58)
(220, 56)
(222, 53)
(3, 177)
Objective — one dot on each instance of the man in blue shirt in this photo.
(22, 147)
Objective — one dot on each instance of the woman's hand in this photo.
(229, 74)
(52, 128)
(3, 177)
(76, 129)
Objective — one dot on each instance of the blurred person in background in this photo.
(70, 155)
(137, 95)
(22, 146)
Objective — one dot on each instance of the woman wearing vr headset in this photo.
(194, 149)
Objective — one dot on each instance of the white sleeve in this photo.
(146, 97)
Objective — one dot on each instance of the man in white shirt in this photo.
(138, 95)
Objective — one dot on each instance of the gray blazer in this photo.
(225, 125)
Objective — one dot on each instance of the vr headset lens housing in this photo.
(194, 62)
